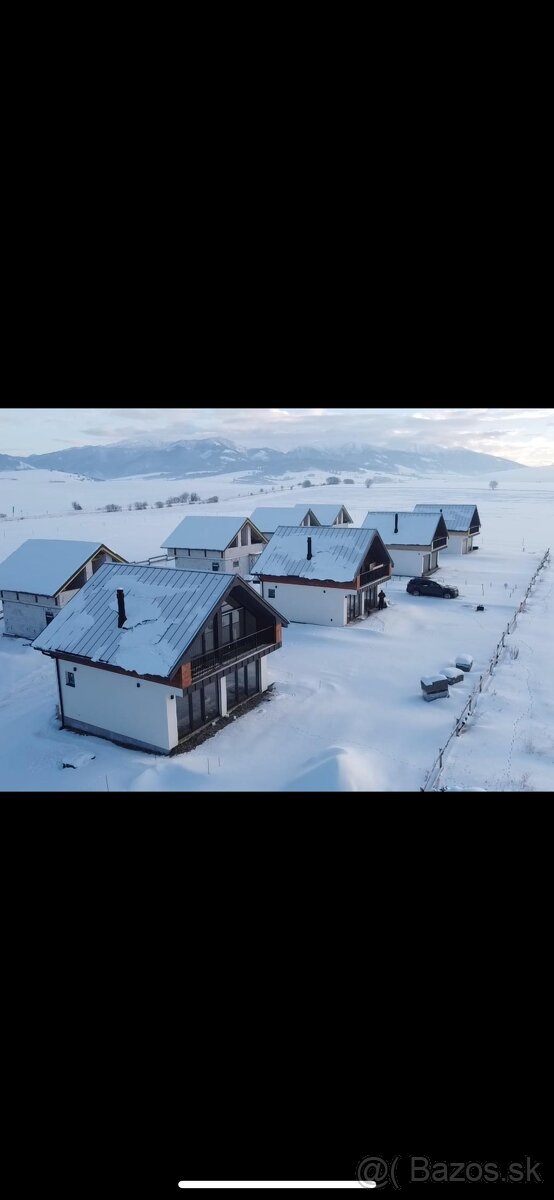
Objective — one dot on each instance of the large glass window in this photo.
(252, 678)
(196, 706)
(231, 689)
(232, 625)
(209, 637)
(183, 716)
(226, 627)
(211, 701)
(244, 536)
(241, 688)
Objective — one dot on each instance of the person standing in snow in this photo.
(382, 601)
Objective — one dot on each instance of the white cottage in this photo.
(230, 544)
(328, 575)
(462, 522)
(146, 656)
(41, 576)
(414, 539)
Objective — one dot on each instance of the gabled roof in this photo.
(165, 610)
(414, 528)
(459, 517)
(267, 519)
(206, 533)
(45, 565)
(338, 553)
(327, 513)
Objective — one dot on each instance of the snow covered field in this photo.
(346, 711)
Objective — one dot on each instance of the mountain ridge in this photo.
(217, 456)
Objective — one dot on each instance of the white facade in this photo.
(119, 707)
(459, 543)
(308, 603)
(123, 709)
(235, 561)
(413, 562)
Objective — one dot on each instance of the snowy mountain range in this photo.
(216, 456)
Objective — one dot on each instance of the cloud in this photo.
(519, 433)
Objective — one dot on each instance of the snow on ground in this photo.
(347, 703)
(508, 743)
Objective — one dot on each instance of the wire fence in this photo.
(433, 774)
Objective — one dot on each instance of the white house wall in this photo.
(413, 562)
(113, 706)
(458, 543)
(309, 604)
(201, 560)
(26, 617)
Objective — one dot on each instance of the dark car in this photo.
(428, 587)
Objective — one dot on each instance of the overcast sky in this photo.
(523, 434)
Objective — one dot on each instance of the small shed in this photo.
(41, 576)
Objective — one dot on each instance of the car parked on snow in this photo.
(429, 587)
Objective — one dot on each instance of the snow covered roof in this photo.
(267, 519)
(327, 513)
(338, 552)
(205, 533)
(414, 528)
(45, 565)
(459, 517)
(165, 610)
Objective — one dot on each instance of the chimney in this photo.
(396, 522)
(121, 608)
(309, 549)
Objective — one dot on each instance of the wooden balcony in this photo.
(375, 575)
(232, 652)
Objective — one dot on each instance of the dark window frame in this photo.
(193, 724)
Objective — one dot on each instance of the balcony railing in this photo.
(381, 572)
(204, 664)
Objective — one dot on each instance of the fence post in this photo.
(440, 759)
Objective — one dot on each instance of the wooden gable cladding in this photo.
(182, 677)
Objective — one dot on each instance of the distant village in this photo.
(149, 654)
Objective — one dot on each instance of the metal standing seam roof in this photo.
(268, 519)
(414, 528)
(206, 533)
(458, 517)
(44, 565)
(165, 611)
(338, 552)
